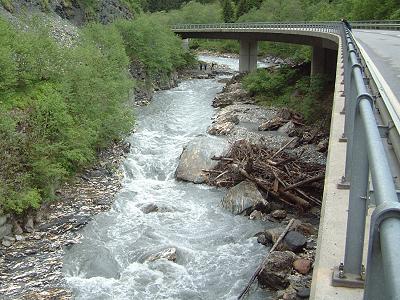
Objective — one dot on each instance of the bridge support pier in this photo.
(323, 61)
(248, 56)
(185, 44)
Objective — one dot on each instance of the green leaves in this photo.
(58, 106)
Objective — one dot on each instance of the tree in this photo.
(227, 11)
(242, 8)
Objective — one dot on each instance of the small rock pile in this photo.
(288, 269)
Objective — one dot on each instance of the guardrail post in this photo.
(350, 273)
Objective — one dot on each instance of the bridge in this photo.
(360, 216)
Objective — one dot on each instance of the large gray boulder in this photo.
(243, 198)
(196, 157)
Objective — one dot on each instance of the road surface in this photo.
(383, 47)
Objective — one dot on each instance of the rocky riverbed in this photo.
(282, 137)
(32, 250)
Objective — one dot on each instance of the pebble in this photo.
(279, 214)
(302, 266)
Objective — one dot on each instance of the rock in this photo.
(243, 198)
(256, 215)
(287, 128)
(6, 243)
(29, 224)
(272, 124)
(196, 157)
(3, 220)
(299, 281)
(5, 230)
(303, 293)
(273, 234)
(19, 238)
(221, 128)
(149, 208)
(294, 241)
(279, 214)
(9, 238)
(276, 270)
(17, 229)
(302, 266)
(307, 229)
(262, 239)
(169, 254)
(322, 145)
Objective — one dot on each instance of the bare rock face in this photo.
(196, 157)
(276, 270)
(169, 254)
(243, 197)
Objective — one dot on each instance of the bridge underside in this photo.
(324, 46)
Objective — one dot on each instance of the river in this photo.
(216, 252)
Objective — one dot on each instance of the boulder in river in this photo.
(168, 254)
(243, 198)
(294, 241)
(276, 270)
(196, 157)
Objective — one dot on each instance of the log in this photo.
(283, 148)
(261, 267)
(303, 182)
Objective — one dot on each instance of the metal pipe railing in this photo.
(367, 157)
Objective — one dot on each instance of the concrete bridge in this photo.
(360, 215)
(324, 44)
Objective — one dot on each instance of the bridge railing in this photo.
(367, 164)
(377, 24)
(333, 27)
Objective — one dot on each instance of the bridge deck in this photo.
(383, 46)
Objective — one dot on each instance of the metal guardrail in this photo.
(365, 158)
(376, 24)
(332, 27)
(366, 163)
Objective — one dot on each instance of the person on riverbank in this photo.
(346, 23)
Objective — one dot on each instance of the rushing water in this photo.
(231, 62)
(216, 251)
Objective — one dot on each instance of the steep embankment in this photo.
(78, 12)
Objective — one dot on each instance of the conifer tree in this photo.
(228, 13)
(242, 8)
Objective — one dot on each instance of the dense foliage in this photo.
(60, 105)
(288, 87)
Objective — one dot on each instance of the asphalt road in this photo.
(383, 47)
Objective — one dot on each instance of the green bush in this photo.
(287, 87)
(152, 43)
(58, 106)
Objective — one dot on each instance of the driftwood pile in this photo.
(281, 176)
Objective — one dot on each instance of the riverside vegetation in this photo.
(61, 104)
